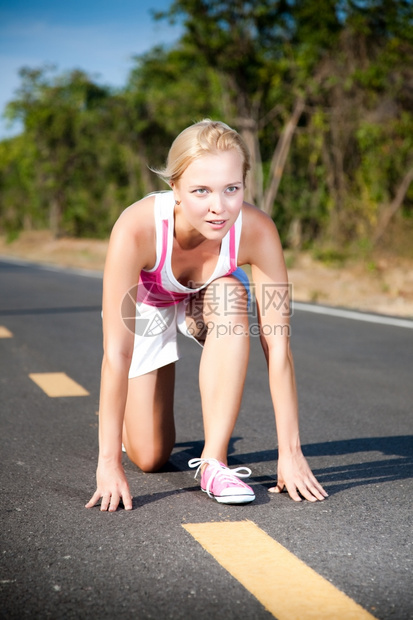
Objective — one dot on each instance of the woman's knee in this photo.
(149, 426)
(151, 459)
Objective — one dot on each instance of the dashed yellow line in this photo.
(58, 384)
(5, 333)
(288, 588)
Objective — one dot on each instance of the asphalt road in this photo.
(59, 560)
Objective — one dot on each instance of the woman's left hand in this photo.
(295, 475)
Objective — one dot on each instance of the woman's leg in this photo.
(223, 308)
(149, 428)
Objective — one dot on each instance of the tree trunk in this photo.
(280, 156)
(55, 216)
(254, 183)
(393, 207)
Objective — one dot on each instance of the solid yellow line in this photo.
(288, 588)
(5, 333)
(57, 384)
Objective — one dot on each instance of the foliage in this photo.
(321, 92)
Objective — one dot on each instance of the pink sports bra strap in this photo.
(232, 250)
(153, 292)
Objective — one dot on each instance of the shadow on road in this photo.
(359, 469)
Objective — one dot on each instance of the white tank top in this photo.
(160, 287)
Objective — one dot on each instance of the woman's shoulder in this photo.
(255, 221)
(141, 213)
(259, 233)
(136, 223)
(134, 233)
(138, 211)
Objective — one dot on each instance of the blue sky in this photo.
(98, 36)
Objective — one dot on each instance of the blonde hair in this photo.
(204, 138)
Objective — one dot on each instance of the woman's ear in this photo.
(176, 192)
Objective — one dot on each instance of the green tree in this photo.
(20, 203)
(367, 143)
(316, 71)
(167, 90)
(62, 117)
(320, 91)
(264, 63)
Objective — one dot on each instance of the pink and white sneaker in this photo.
(222, 483)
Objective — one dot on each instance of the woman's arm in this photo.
(131, 248)
(261, 248)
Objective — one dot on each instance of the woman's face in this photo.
(211, 193)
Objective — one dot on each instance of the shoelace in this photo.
(220, 472)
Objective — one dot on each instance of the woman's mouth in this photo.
(217, 223)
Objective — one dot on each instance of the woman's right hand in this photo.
(112, 487)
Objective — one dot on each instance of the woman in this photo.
(173, 257)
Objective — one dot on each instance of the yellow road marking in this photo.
(5, 333)
(288, 588)
(57, 384)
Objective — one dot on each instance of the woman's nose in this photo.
(217, 206)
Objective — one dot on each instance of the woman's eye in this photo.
(232, 189)
(200, 191)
